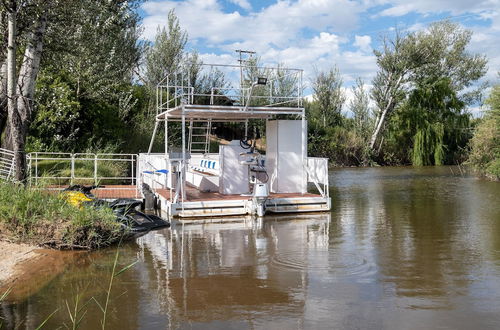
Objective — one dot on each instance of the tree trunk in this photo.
(3, 98)
(29, 72)
(391, 103)
(15, 140)
(20, 105)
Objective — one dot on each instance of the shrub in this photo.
(38, 217)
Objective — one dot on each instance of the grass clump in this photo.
(35, 216)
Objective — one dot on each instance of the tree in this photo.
(360, 108)
(329, 96)
(485, 145)
(167, 52)
(433, 119)
(409, 60)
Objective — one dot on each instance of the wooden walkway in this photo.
(109, 191)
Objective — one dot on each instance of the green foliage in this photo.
(38, 217)
(329, 97)
(363, 123)
(485, 144)
(166, 54)
(57, 122)
(408, 62)
(431, 123)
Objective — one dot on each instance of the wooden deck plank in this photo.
(109, 191)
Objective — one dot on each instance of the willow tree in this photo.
(433, 121)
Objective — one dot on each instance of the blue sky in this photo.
(318, 34)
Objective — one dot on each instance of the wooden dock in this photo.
(108, 192)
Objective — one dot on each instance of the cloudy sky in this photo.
(312, 34)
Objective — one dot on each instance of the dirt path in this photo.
(11, 256)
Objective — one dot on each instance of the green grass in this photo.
(35, 216)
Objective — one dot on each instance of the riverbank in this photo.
(12, 255)
(37, 218)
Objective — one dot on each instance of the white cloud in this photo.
(455, 7)
(311, 33)
(242, 3)
(363, 43)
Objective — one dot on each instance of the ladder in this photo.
(199, 137)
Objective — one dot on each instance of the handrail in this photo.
(319, 179)
(35, 157)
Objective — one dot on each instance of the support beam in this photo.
(153, 137)
(166, 136)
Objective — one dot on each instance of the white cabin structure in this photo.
(199, 179)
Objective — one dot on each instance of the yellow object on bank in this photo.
(76, 198)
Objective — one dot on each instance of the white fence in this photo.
(7, 165)
(68, 167)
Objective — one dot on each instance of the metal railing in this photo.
(70, 166)
(317, 173)
(7, 165)
(284, 87)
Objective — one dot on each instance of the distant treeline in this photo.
(84, 80)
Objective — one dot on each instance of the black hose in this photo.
(244, 144)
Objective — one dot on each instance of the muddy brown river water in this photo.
(403, 248)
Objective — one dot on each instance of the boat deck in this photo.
(212, 204)
(194, 195)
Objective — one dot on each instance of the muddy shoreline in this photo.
(12, 256)
(24, 269)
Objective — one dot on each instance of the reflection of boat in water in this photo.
(208, 266)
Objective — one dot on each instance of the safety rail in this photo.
(317, 173)
(73, 166)
(7, 165)
(283, 86)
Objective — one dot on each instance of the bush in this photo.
(36, 216)
(485, 144)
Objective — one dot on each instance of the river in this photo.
(403, 248)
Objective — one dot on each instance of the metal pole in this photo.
(183, 167)
(95, 169)
(72, 168)
(304, 157)
(36, 167)
(132, 162)
(153, 137)
(166, 135)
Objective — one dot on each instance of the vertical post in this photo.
(304, 156)
(72, 168)
(183, 167)
(165, 120)
(132, 164)
(95, 169)
(36, 167)
(29, 169)
(271, 92)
